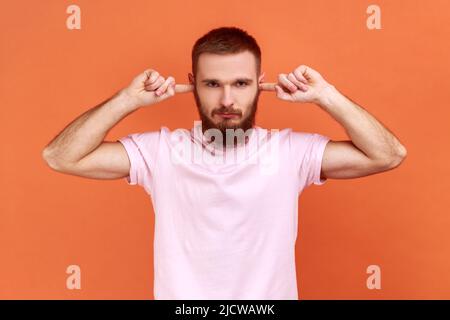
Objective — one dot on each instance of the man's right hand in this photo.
(80, 148)
(150, 87)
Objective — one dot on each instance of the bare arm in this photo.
(80, 149)
(373, 148)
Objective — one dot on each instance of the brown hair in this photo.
(225, 40)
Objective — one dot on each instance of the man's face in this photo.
(226, 90)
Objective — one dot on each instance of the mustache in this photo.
(226, 111)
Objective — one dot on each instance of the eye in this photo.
(238, 83)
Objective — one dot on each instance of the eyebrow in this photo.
(238, 79)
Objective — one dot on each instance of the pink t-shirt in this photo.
(225, 222)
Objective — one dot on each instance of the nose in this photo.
(227, 98)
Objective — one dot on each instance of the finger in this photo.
(171, 90)
(152, 76)
(283, 80)
(295, 81)
(182, 88)
(155, 85)
(266, 86)
(162, 89)
(298, 74)
(309, 73)
(282, 94)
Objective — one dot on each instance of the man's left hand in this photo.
(304, 84)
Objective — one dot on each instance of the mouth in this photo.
(228, 115)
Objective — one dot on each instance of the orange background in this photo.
(398, 220)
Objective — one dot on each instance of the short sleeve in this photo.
(142, 150)
(309, 148)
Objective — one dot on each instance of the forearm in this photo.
(88, 131)
(366, 132)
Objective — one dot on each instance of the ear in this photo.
(191, 79)
(261, 77)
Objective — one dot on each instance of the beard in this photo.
(245, 123)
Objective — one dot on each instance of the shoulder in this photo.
(307, 138)
(145, 139)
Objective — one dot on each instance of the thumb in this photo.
(281, 93)
(278, 90)
(171, 89)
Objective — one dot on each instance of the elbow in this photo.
(56, 163)
(391, 160)
(50, 160)
(47, 157)
(398, 157)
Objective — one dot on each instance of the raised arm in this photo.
(80, 148)
(372, 147)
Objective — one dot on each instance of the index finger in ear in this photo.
(266, 86)
(182, 88)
